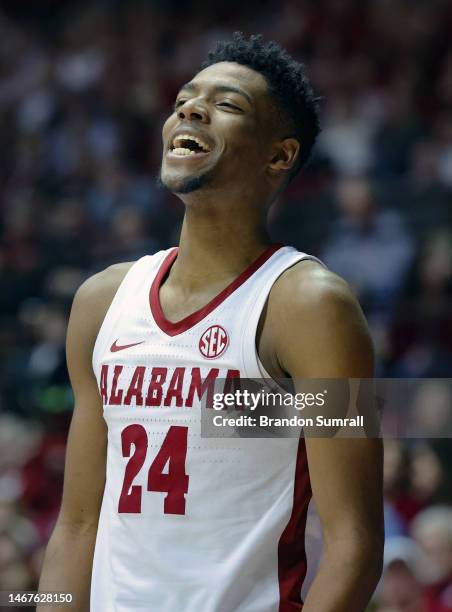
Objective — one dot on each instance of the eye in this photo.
(229, 105)
(179, 103)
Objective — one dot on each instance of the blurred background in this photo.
(84, 90)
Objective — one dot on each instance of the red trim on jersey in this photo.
(172, 329)
(291, 552)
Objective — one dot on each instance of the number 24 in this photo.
(175, 482)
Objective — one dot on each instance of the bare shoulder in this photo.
(99, 289)
(317, 325)
(308, 286)
(93, 298)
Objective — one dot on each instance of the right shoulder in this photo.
(93, 299)
(99, 290)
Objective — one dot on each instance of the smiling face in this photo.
(222, 131)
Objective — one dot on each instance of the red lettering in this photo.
(103, 388)
(116, 395)
(175, 388)
(155, 392)
(202, 386)
(175, 482)
(130, 498)
(232, 381)
(136, 386)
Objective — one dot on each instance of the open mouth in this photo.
(185, 144)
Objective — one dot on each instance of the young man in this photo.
(175, 521)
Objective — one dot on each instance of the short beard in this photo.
(187, 186)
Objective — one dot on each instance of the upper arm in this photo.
(323, 334)
(323, 330)
(86, 448)
(84, 478)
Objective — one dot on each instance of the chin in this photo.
(181, 185)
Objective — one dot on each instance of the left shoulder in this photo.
(307, 287)
(317, 325)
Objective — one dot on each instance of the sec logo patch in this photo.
(213, 342)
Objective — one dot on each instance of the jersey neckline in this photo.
(178, 327)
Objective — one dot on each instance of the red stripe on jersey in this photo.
(291, 551)
(172, 329)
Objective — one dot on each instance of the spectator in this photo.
(373, 237)
(401, 588)
(432, 529)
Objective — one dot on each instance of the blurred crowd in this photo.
(84, 89)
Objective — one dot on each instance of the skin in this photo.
(312, 327)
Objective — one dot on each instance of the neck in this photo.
(217, 243)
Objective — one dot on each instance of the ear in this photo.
(285, 156)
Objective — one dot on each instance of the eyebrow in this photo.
(221, 88)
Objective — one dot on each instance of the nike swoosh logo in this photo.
(116, 347)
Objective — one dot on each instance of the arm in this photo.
(323, 334)
(68, 559)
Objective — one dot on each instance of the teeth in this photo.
(182, 151)
(179, 139)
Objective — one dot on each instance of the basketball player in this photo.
(156, 518)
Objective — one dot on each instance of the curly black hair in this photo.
(287, 82)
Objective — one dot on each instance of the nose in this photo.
(193, 111)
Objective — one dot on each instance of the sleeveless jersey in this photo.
(187, 523)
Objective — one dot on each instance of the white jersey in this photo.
(188, 523)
